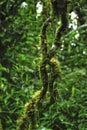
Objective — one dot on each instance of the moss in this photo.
(36, 96)
(44, 75)
(56, 70)
(22, 123)
(44, 50)
(45, 58)
(54, 74)
(28, 121)
(29, 118)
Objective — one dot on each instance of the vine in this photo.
(29, 119)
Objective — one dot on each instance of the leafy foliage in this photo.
(20, 58)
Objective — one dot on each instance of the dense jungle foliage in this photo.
(43, 65)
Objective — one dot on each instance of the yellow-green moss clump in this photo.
(54, 74)
(28, 120)
(56, 70)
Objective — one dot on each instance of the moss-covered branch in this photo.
(44, 39)
(54, 74)
(59, 10)
(28, 121)
(45, 58)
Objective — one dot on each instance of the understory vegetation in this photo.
(43, 65)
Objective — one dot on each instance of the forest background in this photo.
(20, 59)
